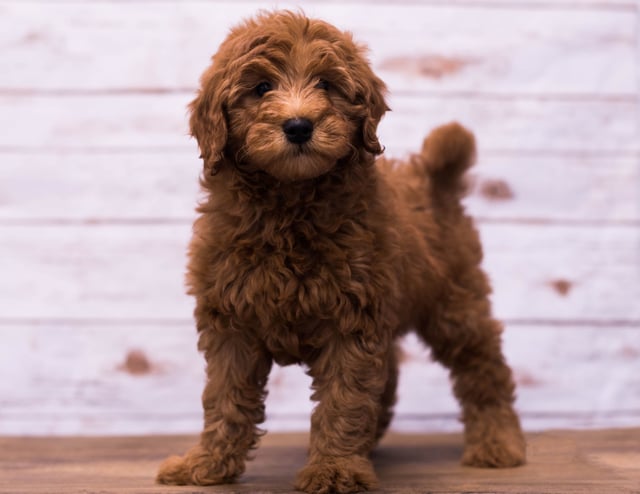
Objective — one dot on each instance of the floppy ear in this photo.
(372, 91)
(208, 122)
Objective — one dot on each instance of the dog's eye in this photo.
(263, 88)
(322, 84)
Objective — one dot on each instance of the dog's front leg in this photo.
(237, 370)
(349, 378)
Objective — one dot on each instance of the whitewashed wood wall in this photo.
(98, 180)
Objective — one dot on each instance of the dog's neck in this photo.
(343, 189)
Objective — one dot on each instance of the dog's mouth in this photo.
(301, 162)
(300, 150)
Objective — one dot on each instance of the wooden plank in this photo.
(151, 121)
(113, 271)
(89, 186)
(515, 4)
(155, 186)
(556, 189)
(522, 125)
(123, 121)
(558, 462)
(144, 378)
(556, 273)
(488, 4)
(134, 271)
(536, 48)
(148, 185)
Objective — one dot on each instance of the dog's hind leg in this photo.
(465, 338)
(388, 397)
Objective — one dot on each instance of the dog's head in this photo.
(289, 96)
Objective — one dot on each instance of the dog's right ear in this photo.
(208, 121)
(373, 91)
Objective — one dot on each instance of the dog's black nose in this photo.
(298, 130)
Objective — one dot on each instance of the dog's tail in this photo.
(447, 153)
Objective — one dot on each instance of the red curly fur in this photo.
(316, 253)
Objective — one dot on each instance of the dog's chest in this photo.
(298, 286)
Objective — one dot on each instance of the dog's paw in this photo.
(198, 467)
(339, 475)
(504, 449)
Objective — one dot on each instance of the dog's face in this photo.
(289, 96)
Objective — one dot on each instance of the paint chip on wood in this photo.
(402, 355)
(629, 352)
(562, 287)
(432, 66)
(33, 37)
(136, 363)
(526, 380)
(496, 190)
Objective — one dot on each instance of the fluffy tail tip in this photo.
(448, 151)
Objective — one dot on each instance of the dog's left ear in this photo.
(372, 91)
(208, 122)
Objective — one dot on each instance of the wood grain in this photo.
(485, 47)
(159, 122)
(151, 187)
(112, 271)
(558, 462)
(73, 378)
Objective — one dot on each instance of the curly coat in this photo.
(309, 250)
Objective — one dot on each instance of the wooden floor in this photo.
(559, 462)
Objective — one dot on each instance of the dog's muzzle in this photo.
(298, 130)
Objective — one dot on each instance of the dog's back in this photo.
(435, 177)
(438, 238)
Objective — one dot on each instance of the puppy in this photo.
(309, 251)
